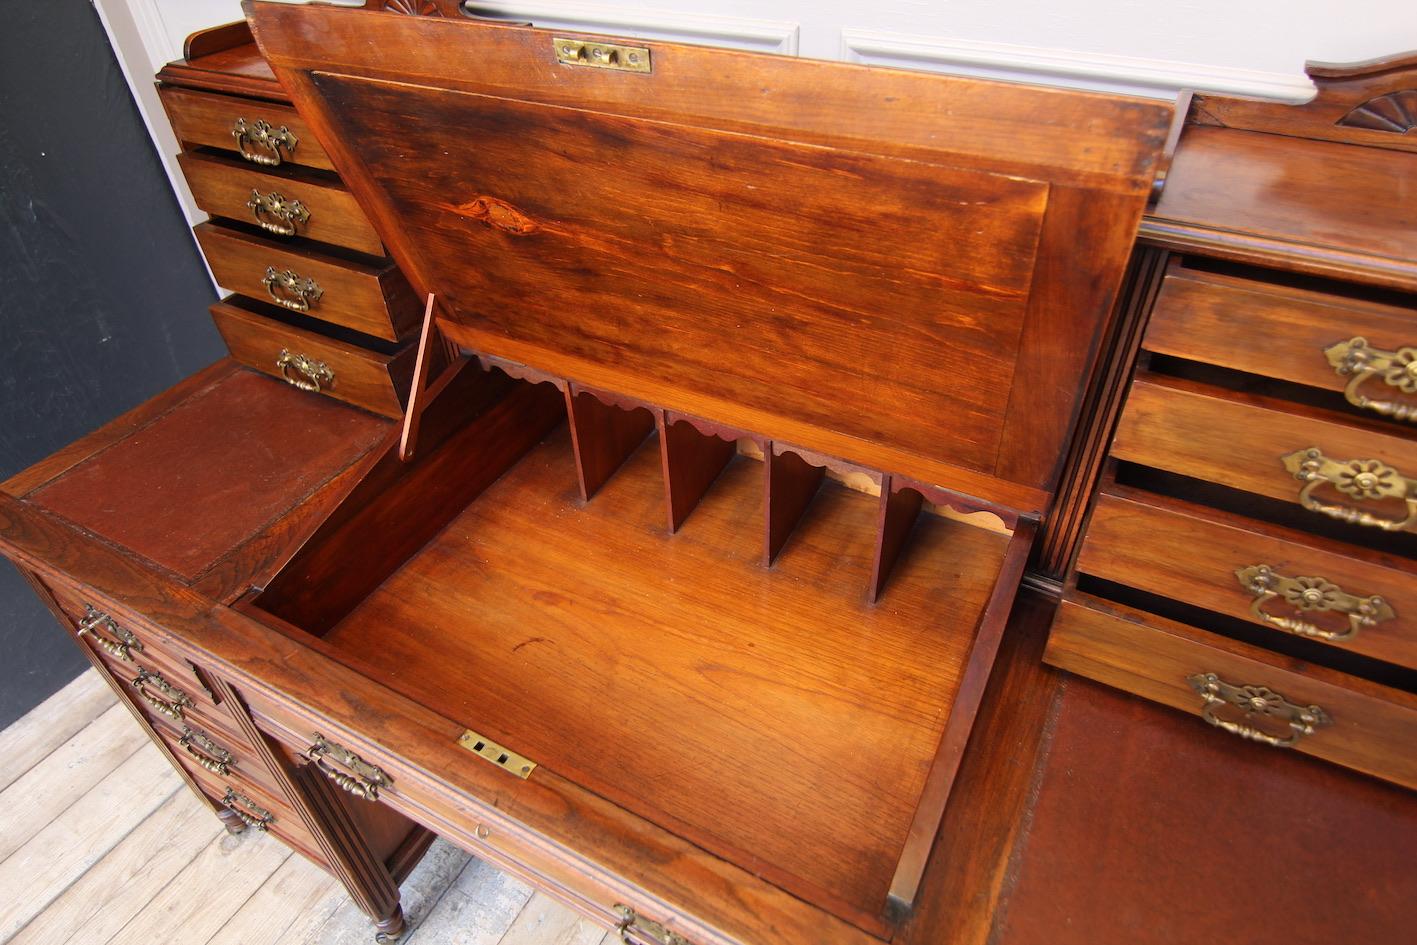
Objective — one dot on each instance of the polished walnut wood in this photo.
(839, 155)
(223, 188)
(257, 337)
(204, 119)
(372, 299)
(1178, 549)
(674, 328)
(1238, 440)
(1154, 658)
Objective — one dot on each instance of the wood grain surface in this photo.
(689, 635)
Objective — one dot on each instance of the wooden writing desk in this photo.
(682, 590)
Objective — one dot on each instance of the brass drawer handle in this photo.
(309, 374)
(635, 929)
(1311, 595)
(259, 143)
(277, 214)
(365, 779)
(171, 700)
(1252, 705)
(246, 810)
(206, 752)
(1362, 479)
(121, 648)
(1360, 363)
(290, 289)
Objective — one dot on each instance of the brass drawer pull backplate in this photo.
(248, 811)
(1310, 595)
(120, 644)
(290, 289)
(277, 214)
(360, 779)
(170, 700)
(1254, 712)
(309, 374)
(1362, 480)
(259, 143)
(206, 752)
(635, 929)
(1360, 363)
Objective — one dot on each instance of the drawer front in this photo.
(259, 809)
(491, 835)
(262, 133)
(1349, 472)
(1284, 580)
(216, 752)
(313, 362)
(1291, 334)
(1242, 690)
(282, 204)
(373, 300)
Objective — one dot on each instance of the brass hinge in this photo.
(578, 52)
(505, 758)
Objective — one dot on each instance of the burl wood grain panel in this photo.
(212, 471)
(1151, 828)
(691, 267)
(773, 717)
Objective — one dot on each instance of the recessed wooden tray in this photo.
(773, 715)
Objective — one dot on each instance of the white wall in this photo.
(1144, 47)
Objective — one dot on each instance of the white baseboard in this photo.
(1102, 71)
(760, 35)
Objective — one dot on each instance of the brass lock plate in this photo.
(578, 52)
(489, 750)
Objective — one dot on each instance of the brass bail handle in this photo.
(635, 929)
(1245, 705)
(1310, 595)
(120, 648)
(206, 752)
(358, 776)
(276, 213)
(1361, 363)
(1362, 480)
(303, 371)
(169, 700)
(260, 143)
(291, 290)
(246, 810)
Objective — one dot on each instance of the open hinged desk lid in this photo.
(902, 270)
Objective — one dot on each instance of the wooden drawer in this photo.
(1281, 332)
(375, 300)
(304, 203)
(261, 805)
(370, 379)
(1258, 445)
(1358, 724)
(263, 133)
(211, 749)
(1211, 559)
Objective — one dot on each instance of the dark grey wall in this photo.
(102, 294)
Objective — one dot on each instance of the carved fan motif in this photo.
(413, 7)
(1395, 112)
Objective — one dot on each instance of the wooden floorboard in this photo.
(30, 739)
(101, 844)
